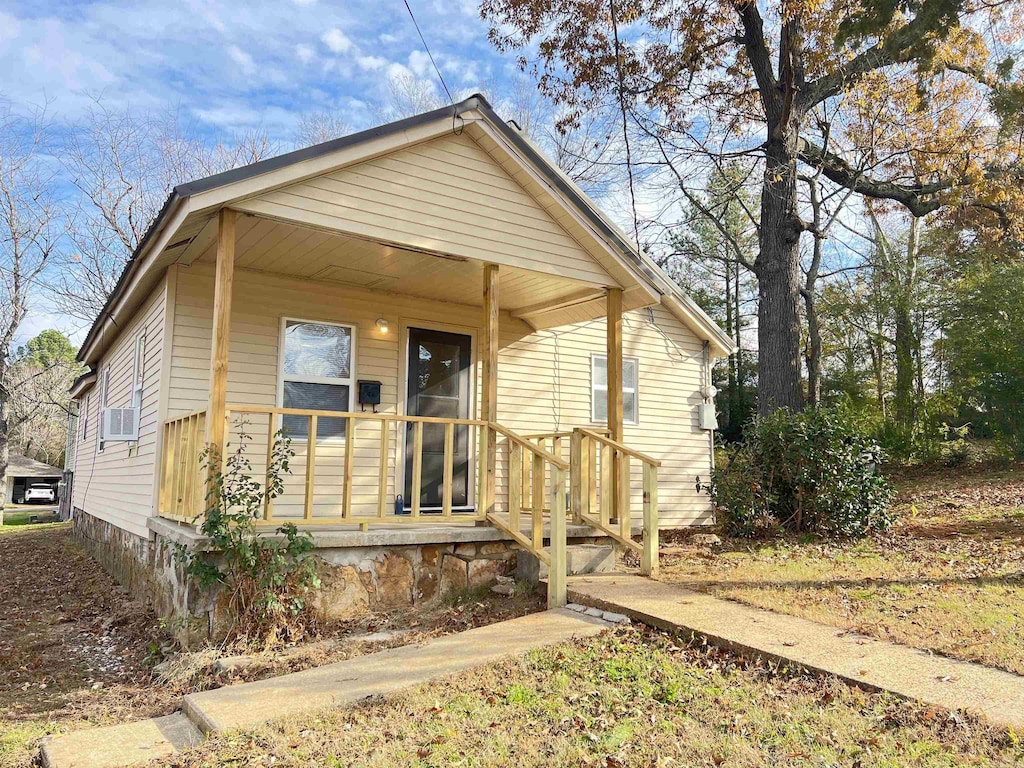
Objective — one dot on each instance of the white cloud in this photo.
(336, 40)
(242, 59)
(419, 63)
(371, 63)
(396, 70)
(304, 2)
(304, 53)
(387, 37)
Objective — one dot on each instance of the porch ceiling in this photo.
(292, 250)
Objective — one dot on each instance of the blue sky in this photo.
(237, 66)
(229, 67)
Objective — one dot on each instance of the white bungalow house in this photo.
(459, 344)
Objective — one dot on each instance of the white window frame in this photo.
(282, 376)
(632, 419)
(139, 370)
(84, 416)
(104, 391)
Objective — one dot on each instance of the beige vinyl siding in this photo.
(543, 380)
(447, 195)
(117, 484)
(532, 397)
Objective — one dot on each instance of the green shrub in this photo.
(813, 472)
(267, 581)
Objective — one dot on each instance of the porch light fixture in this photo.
(382, 325)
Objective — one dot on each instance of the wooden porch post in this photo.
(614, 369)
(489, 388)
(215, 419)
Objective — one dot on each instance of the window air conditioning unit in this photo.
(121, 424)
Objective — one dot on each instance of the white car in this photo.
(42, 494)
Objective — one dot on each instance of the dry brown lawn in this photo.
(76, 652)
(948, 578)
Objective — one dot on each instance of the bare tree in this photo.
(124, 165)
(32, 223)
(318, 127)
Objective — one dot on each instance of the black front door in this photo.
(438, 376)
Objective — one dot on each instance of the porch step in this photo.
(581, 559)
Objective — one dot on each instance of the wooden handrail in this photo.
(622, 448)
(275, 411)
(565, 434)
(185, 416)
(533, 447)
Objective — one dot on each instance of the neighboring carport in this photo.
(22, 472)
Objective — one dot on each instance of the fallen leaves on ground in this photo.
(949, 577)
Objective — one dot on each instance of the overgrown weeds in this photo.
(266, 582)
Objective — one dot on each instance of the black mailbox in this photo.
(369, 394)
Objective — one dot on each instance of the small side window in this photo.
(84, 417)
(139, 370)
(104, 386)
(599, 389)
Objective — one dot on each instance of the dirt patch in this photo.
(74, 647)
(478, 607)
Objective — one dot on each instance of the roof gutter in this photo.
(82, 383)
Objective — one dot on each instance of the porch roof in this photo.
(184, 230)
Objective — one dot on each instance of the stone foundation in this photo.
(146, 567)
(361, 573)
(360, 580)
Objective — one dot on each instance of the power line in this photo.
(429, 54)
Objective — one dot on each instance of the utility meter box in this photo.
(708, 417)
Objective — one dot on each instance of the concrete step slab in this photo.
(580, 559)
(867, 662)
(333, 685)
(122, 745)
(349, 682)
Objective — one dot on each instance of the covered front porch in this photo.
(431, 451)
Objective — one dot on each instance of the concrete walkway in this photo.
(867, 662)
(340, 684)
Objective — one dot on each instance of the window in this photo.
(139, 370)
(599, 389)
(85, 417)
(317, 363)
(104, 386)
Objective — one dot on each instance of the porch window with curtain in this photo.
(599, 389)
(317, 370)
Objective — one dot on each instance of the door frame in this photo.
(404, 324)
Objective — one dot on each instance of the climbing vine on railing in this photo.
(266, 581)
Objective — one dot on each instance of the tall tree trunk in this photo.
(778, 277)
(905, 332)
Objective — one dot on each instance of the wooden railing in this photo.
(600, 499)
(535, 479)
(360, 427)
(182, 482)
(547, 494)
